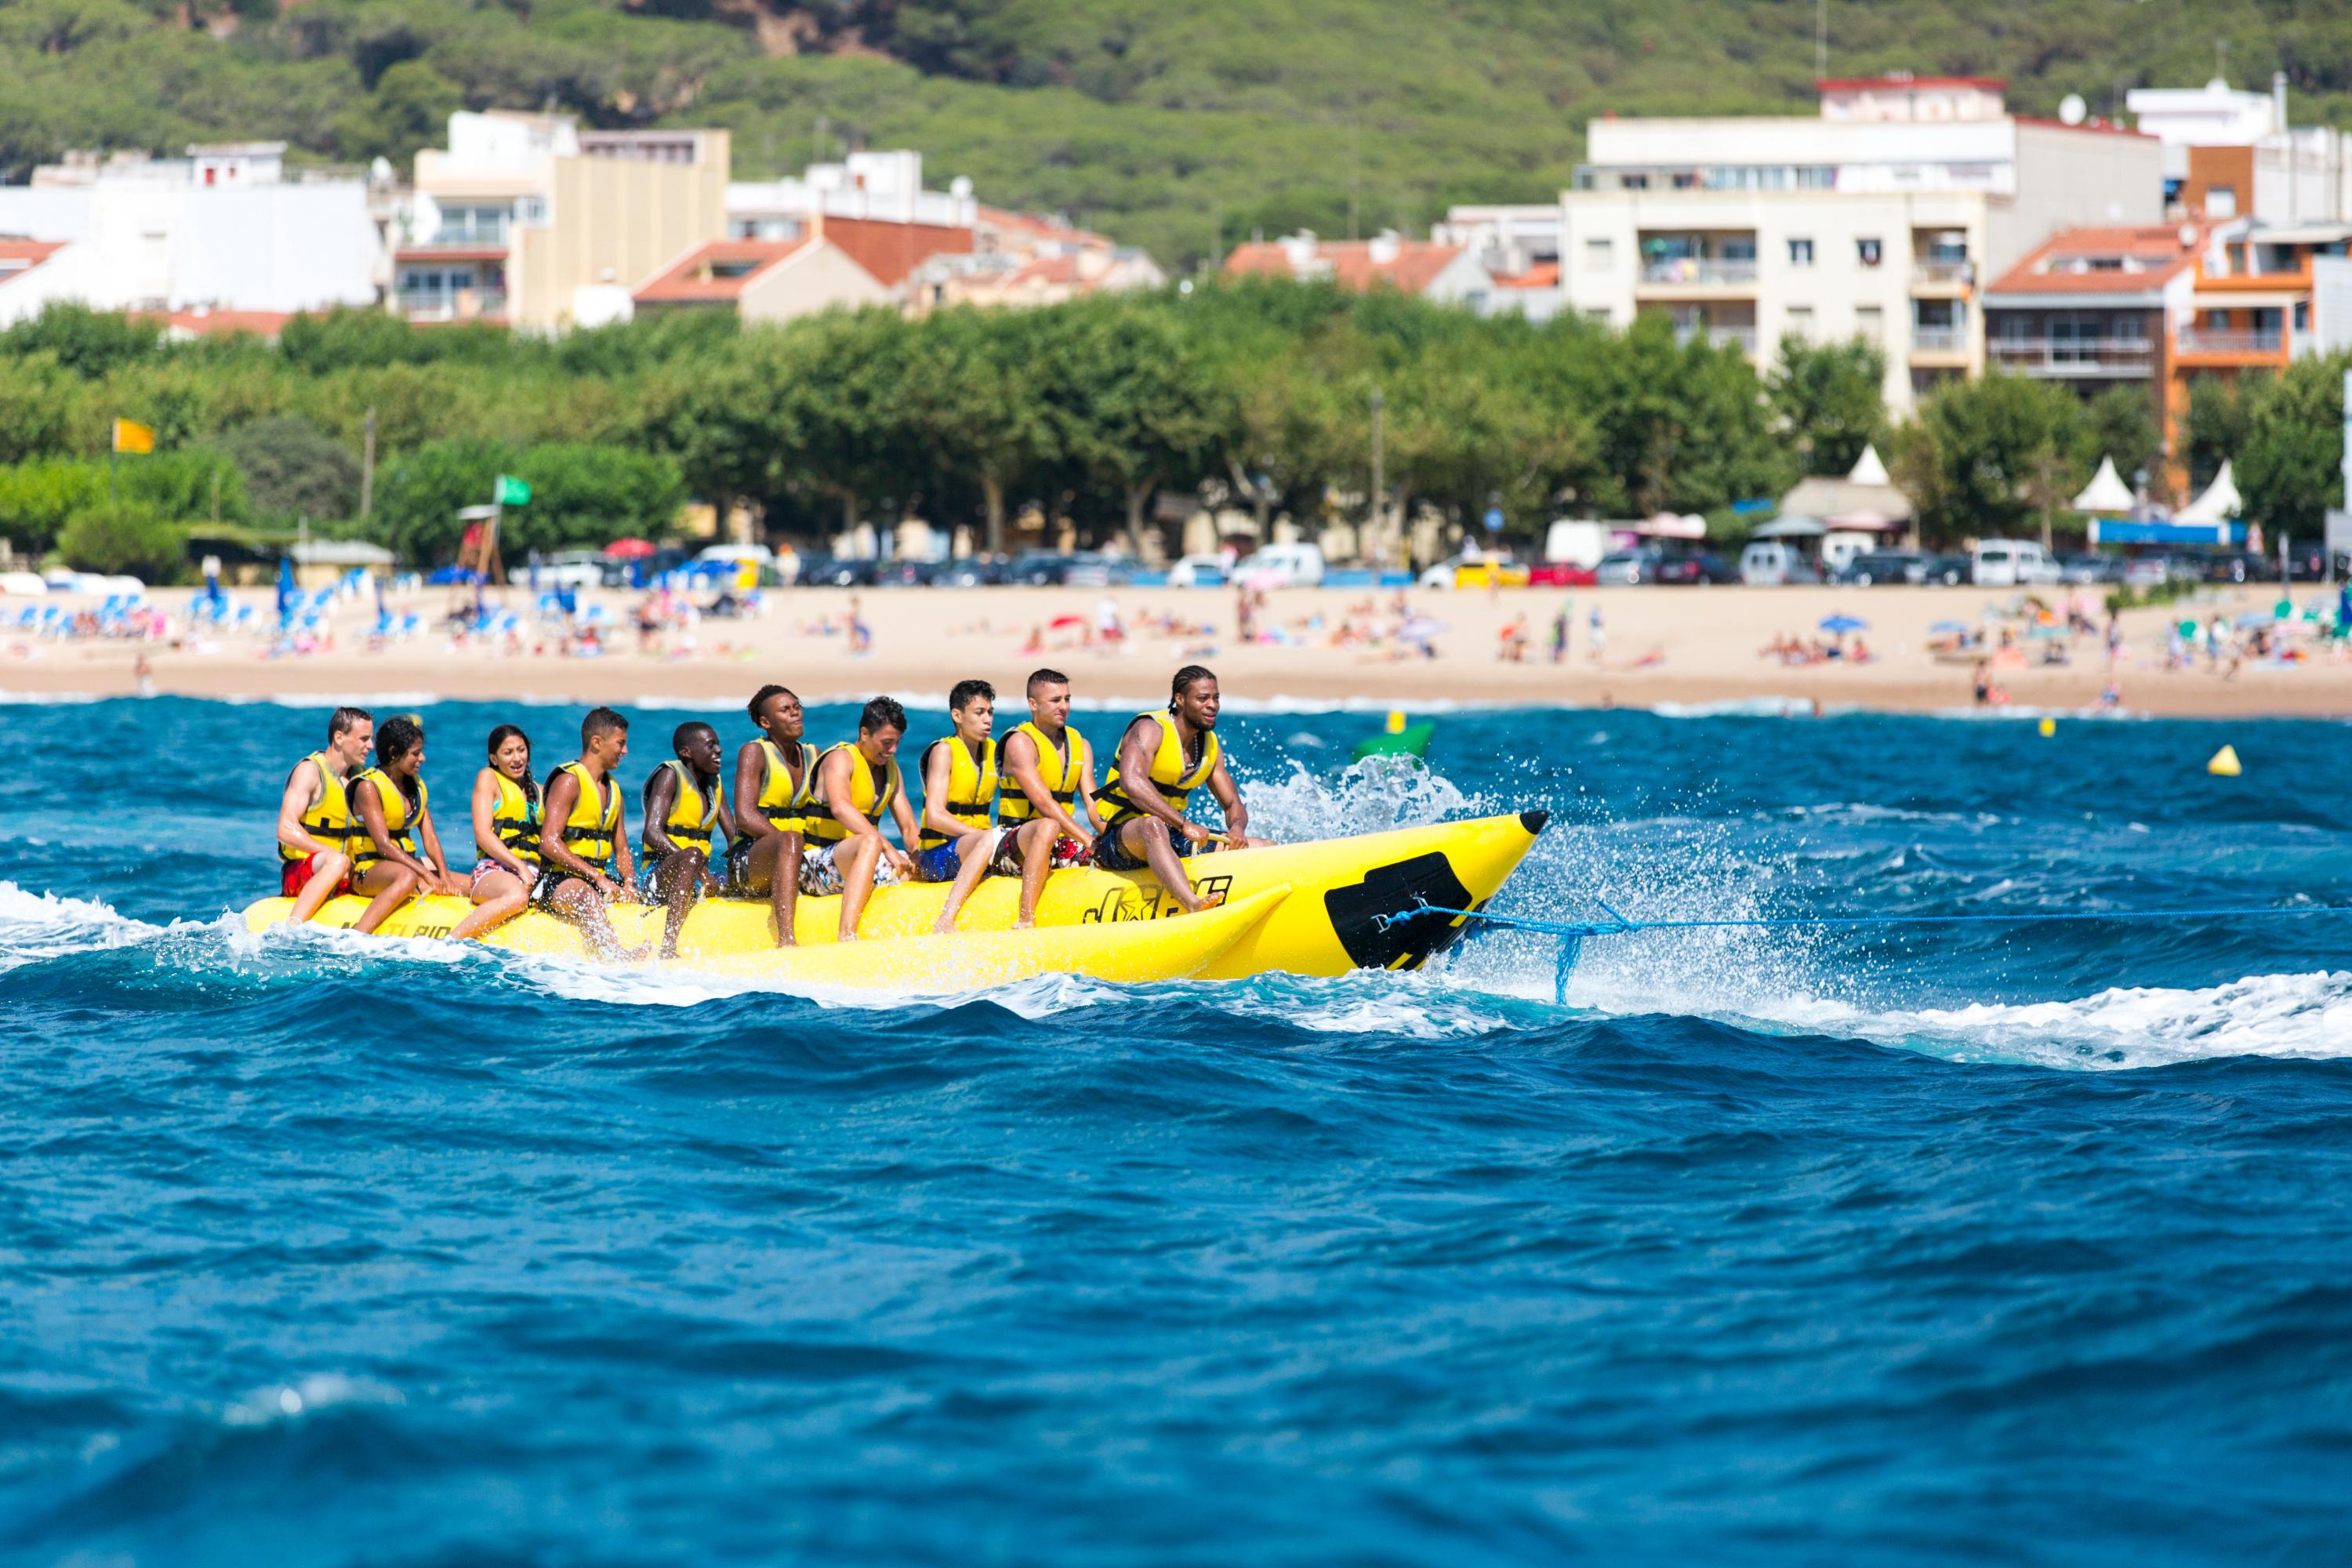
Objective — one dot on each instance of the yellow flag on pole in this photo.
(129, 436)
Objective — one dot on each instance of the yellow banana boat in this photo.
(1340, 894)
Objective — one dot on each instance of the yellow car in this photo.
(1490, 574)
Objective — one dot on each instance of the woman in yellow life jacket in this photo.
(775, 790)
(396, 855)
(505, 811)
(957, 842)
(686, 815)
(857, 785)
(583, 843)
(314, 816)
(1162, 759)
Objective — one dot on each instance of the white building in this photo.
(225, 228)
(1882, 218)
(2229, 154)
(883, 187)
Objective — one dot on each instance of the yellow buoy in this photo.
(1396, 720)
(2225, 763)
(2048, 728)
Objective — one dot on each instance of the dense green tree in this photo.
(1830, 400)
(2218, 424)
(1986, 456)
(126, 536)
(409, 108)
(2120, 423)
(39, 498)
(86, 342)
(1133, 407)
(581, 496)
(293, 469)
(2291, 472)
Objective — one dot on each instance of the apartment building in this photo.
(1882, 218)
(2230, 154)
(527, 220)
(226, 229)
(763, 280)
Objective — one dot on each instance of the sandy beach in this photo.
(1663, 647)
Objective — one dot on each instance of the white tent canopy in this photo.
(2220, 503)
(1868, 470)
(2107, 491)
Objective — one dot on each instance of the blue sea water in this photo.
(2018, 1244)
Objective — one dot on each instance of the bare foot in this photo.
(1029, 924)
(944, 926)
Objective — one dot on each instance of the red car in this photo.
(1560, 575)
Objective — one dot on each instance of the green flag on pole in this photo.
(511, 491)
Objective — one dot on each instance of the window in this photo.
(2303, 315)
(1801, 322)
(1801, 253)
(2220, 201)
(1635, 182)
(1816, 177)
(1870, 322)
(1600, 255)
(1686, 181)
(1597, 315)
(1869, 252)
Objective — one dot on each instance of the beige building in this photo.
(1882, 218)
(529, 221)
(763, 281)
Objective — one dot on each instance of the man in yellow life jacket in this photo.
(856, 784)
(685, 805)
(957, 842)
(314, 816)
(1162, 759)
(395, 853)
(775, 790)
(584, 841)
(1045, 789)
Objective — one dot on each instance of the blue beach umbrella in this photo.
(1840, 625)
(1948, 625)
(286, 590)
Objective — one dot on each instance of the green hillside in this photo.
(1179, 127)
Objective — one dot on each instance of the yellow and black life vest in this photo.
(1170, 776)
(330, 821)
(785, 804)
(515, 819)
(596, 820)
(823, 827)
(691, 813)
(399, 814)
(1058, 767)
(971, 787)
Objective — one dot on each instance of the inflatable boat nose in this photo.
(1533, 821)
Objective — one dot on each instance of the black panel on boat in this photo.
(1393, 889)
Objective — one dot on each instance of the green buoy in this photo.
(1399, 739)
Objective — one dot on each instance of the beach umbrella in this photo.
(286, 591)
(628, 550)
(1840, 625)
(1947, 626)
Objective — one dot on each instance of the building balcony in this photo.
(2230, 343)
(1740, 337)
(1686, 273)
(1937, 277)
(423, 305)
(2067, 358)
(1939, 344)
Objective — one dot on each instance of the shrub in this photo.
(126, 536)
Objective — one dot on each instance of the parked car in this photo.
(836, 572)
(1560, 575)
(2306, 562)
(1948, 571)
(1198, 571)
(970, 573)
(1625, 568)
(1039, 569)
(572, 569)
(2010, 563)
(905, 574)
(2083, 571)
(2240, 566)
(1774, 561)
(1282, 566)
(1694, 566)
(1886, 566)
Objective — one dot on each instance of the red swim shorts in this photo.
(298, 873)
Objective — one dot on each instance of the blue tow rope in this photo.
(1571, 933)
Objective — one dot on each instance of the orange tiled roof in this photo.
(892, 250)
(1541, 275)
(2154, 251)
(1415, 265)
(1042, 227)
(222, 323)
(31, 252)
(692, 278)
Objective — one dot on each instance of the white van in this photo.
(1284, 566)
(1572, 543)
(1772, 563)
(2010, 563)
